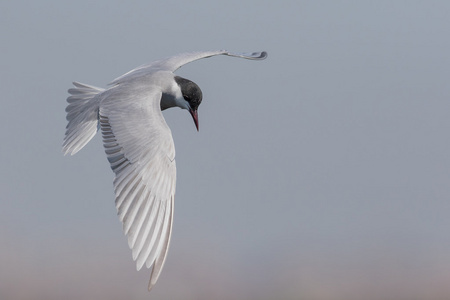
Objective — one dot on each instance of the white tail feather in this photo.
(82, 114)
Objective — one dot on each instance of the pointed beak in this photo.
(194, 116)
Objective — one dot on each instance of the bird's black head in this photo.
(192, 94)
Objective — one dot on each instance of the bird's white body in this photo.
(139, 146)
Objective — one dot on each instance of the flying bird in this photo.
(139, 145)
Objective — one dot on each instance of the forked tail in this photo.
(82, 114)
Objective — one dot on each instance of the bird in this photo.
(139, 146)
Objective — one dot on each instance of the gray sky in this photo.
(320, 173)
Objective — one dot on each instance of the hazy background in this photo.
(320, 173)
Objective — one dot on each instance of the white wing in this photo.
(175, 62)
(140, 149)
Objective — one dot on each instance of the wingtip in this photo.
(150, 285)
(152, 281)
(65, 151)
(263, 55)
(249, 55)
(256, 55)
(68, 150)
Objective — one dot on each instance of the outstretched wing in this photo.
(140, 149)
(175, 62)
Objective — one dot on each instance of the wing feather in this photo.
(173, 63)
(159, 263)
(139, 147)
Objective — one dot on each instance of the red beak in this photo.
(194, 116)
